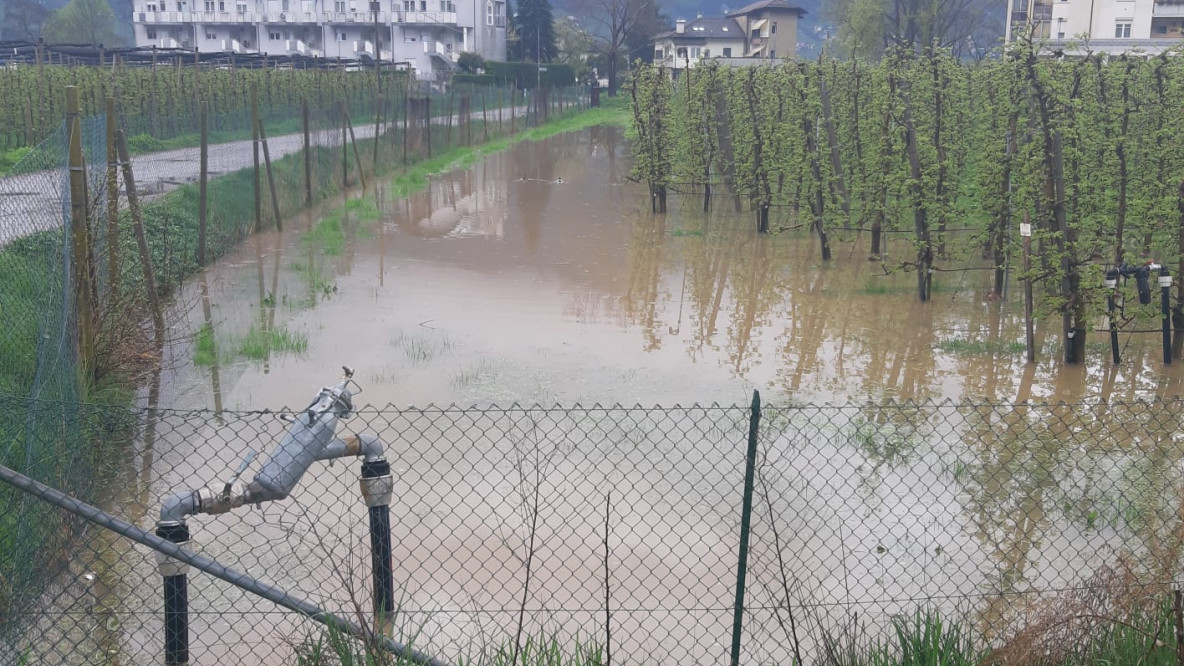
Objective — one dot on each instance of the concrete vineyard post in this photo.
(203, 181)
(79, 236)
(745, 526)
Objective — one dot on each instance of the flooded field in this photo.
(539, 276)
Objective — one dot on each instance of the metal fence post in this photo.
(745, 525)
(80, 241)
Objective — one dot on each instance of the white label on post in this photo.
(1025, 229)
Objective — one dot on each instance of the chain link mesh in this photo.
(983, 512)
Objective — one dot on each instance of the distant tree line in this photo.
(78, 22)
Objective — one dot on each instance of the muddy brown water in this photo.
(539, 276)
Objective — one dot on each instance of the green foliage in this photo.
(527, 75)
(470, 63)
(535, 32)
(83, 22)
(9, 158)
(948, 156)
(259, 343)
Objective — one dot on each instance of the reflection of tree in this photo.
(640, 303)
(534, 164)
(755, 292)
(707, 261)
(1089, 478)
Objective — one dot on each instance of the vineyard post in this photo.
(1029, 332)
(80, 254)
(484, 117)
(427, 122)
(513, 103)
(112, 202)
(255, 153)
(275, 202)
(406, 113)
(1178, 313)
(29, 133)
(203, 179)
(133, 204)
(1165, 301)
(344, 151)
(354, 142)
(307, 154)
(448, 126)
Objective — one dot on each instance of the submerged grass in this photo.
(259, 344)
(974, 347)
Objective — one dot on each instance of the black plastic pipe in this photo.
(1165, 306)
(176, 603)
(380, 546)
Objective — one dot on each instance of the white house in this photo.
(428, 34)
(1100, 26)
(766, 29)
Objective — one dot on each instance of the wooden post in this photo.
(29, 133)
(354, 142)
(203, 180)
(307, 154)
(448, 127)
(344, 151)
(484, 119)
(112, 202)
(406, 112)
(255, 150)
(133, 204)
(275, 202)
(427, 122)
(80, 241)
(1029, 332)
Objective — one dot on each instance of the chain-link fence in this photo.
(614, 530)
(108, 263)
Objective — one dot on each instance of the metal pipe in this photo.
(202, 563)
(1111, 284)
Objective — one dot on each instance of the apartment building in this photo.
(428, 34)
(763, 30)
(1101, 26)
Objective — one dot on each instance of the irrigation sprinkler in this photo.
(311, 437)
(1142, 275)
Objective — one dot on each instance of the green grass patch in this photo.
(962, 346)
(688, 233)
(327, 234)
(9, 158)
(260, 344)
(205, 353)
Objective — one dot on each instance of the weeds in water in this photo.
(884, 443)
(259, 344)
(327, 235)
(684, 233)
(205, 353)
(422, 349)
(972, 347)
(470, 375)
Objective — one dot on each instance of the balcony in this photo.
(1168, 10)
(364, 46)
(429, 18)
(232, 46)
(294, 46)
(352, 17)
(161, 17)
(166, 43)
(289, 17)
(224, 17)
(499, 21)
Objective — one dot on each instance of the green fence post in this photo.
(745, 526)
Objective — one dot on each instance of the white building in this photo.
(1100, 26)
(744, 37)
(428, 34)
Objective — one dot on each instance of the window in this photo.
(151, 7)
(408, 38)
(706, 52)
(339, 5)
(273, 36)
(287, 34)
(658, 54)
(241, 8)
(727, 52)
(773, 30)
(682, 52)
(756, 33)
(211, 35)
(1122, 30)
(772, 53)
(696, 52)
(221, 6)
(489, 12)
(284, 6)
(423, 5)
(408, 5)
(340, 36)
(151, 34)
(209, 5)
(1161, 30)
(1060, 35)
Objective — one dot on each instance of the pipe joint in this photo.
(377, 484)
(231, 496)
(178, 533)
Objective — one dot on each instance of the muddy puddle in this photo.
(538, 276)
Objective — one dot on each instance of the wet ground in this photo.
(539, 276)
